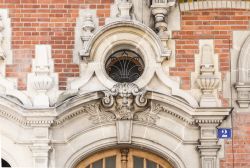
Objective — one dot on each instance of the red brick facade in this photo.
(217, 25)
(47, 22)
(53, 22)
(206, 24)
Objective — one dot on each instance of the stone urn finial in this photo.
(88, 24)
(207, 80)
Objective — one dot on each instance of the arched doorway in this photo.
(124, 158)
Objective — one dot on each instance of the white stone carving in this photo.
(86, 24)
(150, 115)
(208, 145)
(160, 9)
(42, 80)
(2, 53)
(125, 97)
(98, 114)
(88, 27)
(120, 11)
(242, 85)
(124, 131)
(5, 37)
(207, 80)
(124, 6)
(135, 35)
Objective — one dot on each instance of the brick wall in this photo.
(237, 150)
(47, 22)
(218, 25)
(206, 24)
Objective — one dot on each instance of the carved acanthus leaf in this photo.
(97, 114)
(150, 115)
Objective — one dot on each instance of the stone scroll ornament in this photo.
(124, 99)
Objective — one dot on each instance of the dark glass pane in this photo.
(138, 162)
(124, 66)
(4, 163)
(151, 164)
(110, 162)
(97, 164)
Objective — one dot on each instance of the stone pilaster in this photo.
(41, 142)
(208, 120)
(208, 147)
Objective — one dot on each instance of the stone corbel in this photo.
(42, 80)
(243, 97)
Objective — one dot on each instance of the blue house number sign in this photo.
(224, 133)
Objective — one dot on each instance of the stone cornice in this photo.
(188, 6)
(81, 104)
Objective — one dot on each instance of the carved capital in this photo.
(243, 94)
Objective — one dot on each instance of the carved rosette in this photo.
(123, 99)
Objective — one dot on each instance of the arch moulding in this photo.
(243, 75)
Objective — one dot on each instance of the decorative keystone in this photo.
(124, 97)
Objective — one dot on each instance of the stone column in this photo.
(208, 147)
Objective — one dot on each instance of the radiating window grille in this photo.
(124, 66)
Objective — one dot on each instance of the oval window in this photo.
(124, 66)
